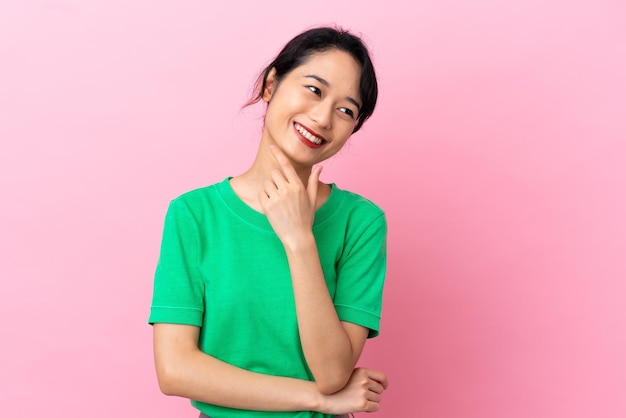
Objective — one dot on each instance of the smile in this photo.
(308, 135)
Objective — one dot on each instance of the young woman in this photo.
(269, 283)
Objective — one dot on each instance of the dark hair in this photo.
(299, 50)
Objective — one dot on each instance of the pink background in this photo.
(498, 151)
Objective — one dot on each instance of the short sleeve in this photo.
(361, 275)
(178, 296)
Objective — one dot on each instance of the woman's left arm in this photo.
(331, 347)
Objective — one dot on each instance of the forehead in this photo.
(338, 68)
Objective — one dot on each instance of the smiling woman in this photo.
(270, 282)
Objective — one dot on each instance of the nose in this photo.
(322, 114)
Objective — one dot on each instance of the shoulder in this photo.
(355, 215)
(193, 196)
(197, 202)
(358, 206)
(198, 197)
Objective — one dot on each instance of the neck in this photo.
(248, 184)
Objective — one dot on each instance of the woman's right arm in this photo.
(183, 370)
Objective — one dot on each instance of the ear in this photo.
(270, 85)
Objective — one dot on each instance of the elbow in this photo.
(166, 388)
(167, 381)
(325, 389)
(332, 384)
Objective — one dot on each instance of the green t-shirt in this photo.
(222, 268)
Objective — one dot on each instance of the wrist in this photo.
(316, 401)
(302, 243)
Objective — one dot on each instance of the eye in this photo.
(315, 90)
(347, 111)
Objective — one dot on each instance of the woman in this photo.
(269, 283)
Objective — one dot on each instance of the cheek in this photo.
(342, 141)
(345, 130)
(283, 105)
(273, 114)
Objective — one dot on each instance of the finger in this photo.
(263, 198)
(372, 406)
(313, 184)
(374, 397)
(270, 188)
(378, 376)
(279, 180)
(285, 165)
(376, 387)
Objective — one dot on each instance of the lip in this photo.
(304, 140)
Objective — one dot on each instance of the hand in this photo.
(361, 394)
(288, 205)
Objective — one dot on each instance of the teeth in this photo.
(308, 135)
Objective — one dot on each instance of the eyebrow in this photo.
(327, 84)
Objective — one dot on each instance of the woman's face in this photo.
(313, 110)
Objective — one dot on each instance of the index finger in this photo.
(378, 376)
(285, 165)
